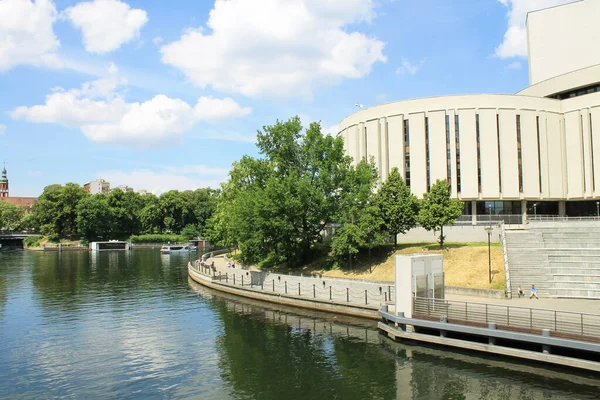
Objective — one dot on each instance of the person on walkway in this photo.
(228, 264)
(233, 264)
(520, 292)
(533, 292)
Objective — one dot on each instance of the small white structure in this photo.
(420, 275)
(110, 245)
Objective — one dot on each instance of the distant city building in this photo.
(124, 188)
(143, 192)
(4, 184)
(99, 186)
(25, 202)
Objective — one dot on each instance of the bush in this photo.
(157, 238)
(33, 241)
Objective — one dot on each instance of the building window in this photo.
(427, 152)
(478, 152)
(406, 153)
(583, 153)
(592, 152)
(519, 154)
(577, 92)
(448, 158)
(499, 159)
(537, 123)
(457, 134)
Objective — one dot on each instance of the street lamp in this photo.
(490, 213)
(489, 233)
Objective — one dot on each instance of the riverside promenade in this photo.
(343, 296)
(568, 316)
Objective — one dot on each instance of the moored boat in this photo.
(167, 249)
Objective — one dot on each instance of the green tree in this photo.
(30, 223)
(190, 231)
(438, 209)
(126, 208)
(275, 208)
(56, 210)
(11, 216)
(95, 218)
(151, 215)
(399, 207)
(358, 213)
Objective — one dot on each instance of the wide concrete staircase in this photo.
(561, 258)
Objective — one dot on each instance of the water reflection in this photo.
(347, 357)
(131, 325)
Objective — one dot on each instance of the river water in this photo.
(133, 326)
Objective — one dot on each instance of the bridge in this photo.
(14, 239)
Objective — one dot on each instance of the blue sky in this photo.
(167, 95)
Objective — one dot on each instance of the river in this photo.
(132, 325)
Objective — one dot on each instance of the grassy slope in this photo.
(465, 264)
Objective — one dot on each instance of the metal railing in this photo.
(337, 294)
(486, 219)
(561, 218)
(564, 322)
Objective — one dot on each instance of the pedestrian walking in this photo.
(533, 292)
(228, 264)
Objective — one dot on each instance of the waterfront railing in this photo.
(561, 323)
(337, 293)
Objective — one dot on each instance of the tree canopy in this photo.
(10, 216)
(274, 208)
(438, 209)
(69, 212)
(399, 207)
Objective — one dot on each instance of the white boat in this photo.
(175, 249)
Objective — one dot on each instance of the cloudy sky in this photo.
(166, 95)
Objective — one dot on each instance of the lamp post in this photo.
(489, 233)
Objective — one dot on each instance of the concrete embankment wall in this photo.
(453, 233)
(345, 298)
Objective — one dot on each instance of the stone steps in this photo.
(561, 260)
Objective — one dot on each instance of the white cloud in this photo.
(284, 48)
(2, 129)
(106, 24)
(104, 116)
(175, 178)
(408, 68)
(26, 35)
(514, 65)
(515, 38)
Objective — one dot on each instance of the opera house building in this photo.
(509, 155)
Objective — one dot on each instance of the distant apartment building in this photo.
(143, 192)
(124, 188)
(97, 187)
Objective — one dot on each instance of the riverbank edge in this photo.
(370, 312)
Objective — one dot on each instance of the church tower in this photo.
(4, 184)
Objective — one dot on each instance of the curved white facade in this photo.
(488, 146)
(542, 144)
